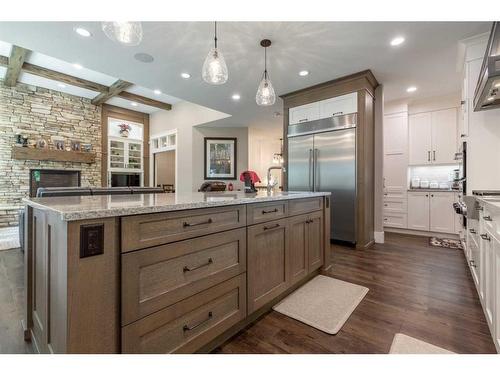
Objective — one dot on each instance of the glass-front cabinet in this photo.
(125, 149)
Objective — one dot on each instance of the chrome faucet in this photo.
(269, 186)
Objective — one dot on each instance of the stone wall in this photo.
(38, 112)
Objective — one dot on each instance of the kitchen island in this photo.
(164, 273)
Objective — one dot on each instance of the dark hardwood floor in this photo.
(421, 291)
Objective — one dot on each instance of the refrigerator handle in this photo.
(310, 168)
(315, 174)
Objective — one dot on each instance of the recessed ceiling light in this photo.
(397, 41)
(303, 73)
(157, 92)
(134, 104)
(411, 89)
(491, 98)
(185, 75)
(77, 66)
(82, 32)
(61, 85)
(236, 97)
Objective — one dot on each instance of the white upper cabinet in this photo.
(420, 143)
(304, 113)
(396, 133)
(340, 105)
(442, 215)
(444, 136)
(433, 137)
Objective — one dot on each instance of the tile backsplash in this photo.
(439, 173)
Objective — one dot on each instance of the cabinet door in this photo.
(298, 247)
(396, 133)
(340, 105)
(442, 215)
(395, 173)
(489, 277)
(418, 211)
(268, 262)
(496, 292)
(315, 240)
(303, 113)
(444, 136)
(117, 154)
(420, 146)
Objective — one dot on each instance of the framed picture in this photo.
(59, 143)
(75, 146)
(220, 158)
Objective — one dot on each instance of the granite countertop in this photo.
(99, 206)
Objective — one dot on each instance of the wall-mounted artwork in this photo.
(220, 159)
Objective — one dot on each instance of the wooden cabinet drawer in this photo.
(191, 323)
(143, 231)
(262, 212)
(161, 276)
(305, 205)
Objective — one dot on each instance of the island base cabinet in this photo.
(298, 248)
(267, 262)
(315, 238)
(188, 325)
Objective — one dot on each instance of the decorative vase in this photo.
(124, 133)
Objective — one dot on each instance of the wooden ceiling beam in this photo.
(113, 90)
(15, 64)
(85, 84)
(144, 100)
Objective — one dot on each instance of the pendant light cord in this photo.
(215, 39)
(265, 63)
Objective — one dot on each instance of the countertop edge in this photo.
(129, 211)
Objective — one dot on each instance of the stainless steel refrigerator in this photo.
(322, 157)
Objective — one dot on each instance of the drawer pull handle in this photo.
(487, 218)
(472, 231)
(186, 224)
(309, 221)
(271, 227)
(302, 120)
(385, 204)
(187, 269)
(269, 212)
(337, 113)
(485, 237)
(188, 328)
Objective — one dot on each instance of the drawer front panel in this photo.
(143, 231)
(262, 212)
(395, 205)
(301, 206)
(155, 278)
(188, 325)
(395, 220)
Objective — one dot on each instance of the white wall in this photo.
(263, 143)
(183, 117)
(200, 132)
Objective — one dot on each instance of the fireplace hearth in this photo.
(53, 178)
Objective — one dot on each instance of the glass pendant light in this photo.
(265, 93)
(126, 33)
(214, 69)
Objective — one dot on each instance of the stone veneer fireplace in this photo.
(53, 178)
(38, 112)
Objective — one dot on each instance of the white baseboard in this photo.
(379, 237)
(422, 233)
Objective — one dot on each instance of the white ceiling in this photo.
(328, 50)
